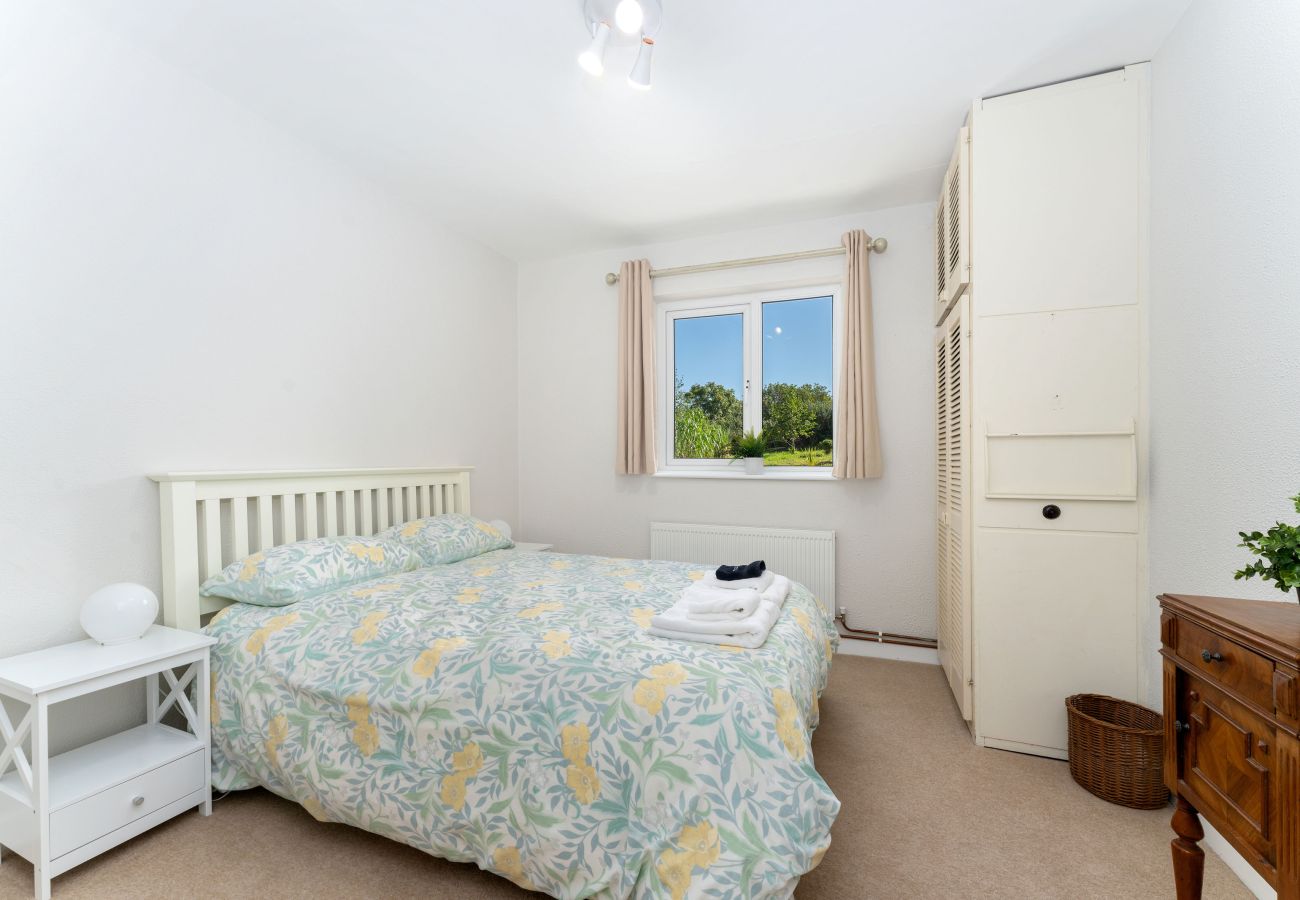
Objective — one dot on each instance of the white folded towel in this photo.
(711, 614)
(778, 591)
(728, 616)
(706, 602)
(761, 583)
(677, 620)
(748, 641)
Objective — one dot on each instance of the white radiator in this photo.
(807, 557)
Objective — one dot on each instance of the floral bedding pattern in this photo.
(448, 538)
(511, 710)
(287, 573)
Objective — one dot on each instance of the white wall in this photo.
(570, 495)
(1225, 317)
(1225, 310)
(183, 287)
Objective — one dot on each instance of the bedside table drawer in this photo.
(99, 814)
(1227, 663)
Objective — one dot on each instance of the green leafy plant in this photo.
(1279, 552)
(750, 445)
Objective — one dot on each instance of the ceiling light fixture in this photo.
(639, 77)
(592, 59)
(629, 16)
(637, 23)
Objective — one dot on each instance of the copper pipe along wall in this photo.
(882, 637)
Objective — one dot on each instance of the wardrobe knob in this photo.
(1051, 511)
(1207, 656)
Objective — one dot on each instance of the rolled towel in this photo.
(677, 619)
(702, 600)
(740, 573)
(761, 583)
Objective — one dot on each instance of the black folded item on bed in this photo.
(736, 573)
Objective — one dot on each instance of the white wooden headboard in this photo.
(210, 519)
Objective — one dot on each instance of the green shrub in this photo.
(696, 436)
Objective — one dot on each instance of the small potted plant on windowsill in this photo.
(750, 447)
(1279, 549)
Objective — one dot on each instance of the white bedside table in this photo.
(57, 812)
(525, 547)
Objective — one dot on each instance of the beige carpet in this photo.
(926, 814)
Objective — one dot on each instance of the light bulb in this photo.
(639, 77)
(592, 59)
(629, 16)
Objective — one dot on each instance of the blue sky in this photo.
(797, 337)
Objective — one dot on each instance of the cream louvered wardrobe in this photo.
(1040, 410)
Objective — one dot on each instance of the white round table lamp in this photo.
(120, 612)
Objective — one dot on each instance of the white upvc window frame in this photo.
(750, 306)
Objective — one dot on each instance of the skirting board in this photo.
(1253, 881)
(850, 647)
(1027, 749)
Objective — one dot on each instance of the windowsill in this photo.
(782, 474)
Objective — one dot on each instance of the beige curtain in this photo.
(857, 431)
(636, 370)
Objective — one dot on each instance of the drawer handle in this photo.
(137, 800)
(1180, 726)
(1051, 511)
(1207, 656)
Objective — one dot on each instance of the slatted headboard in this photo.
(210, 519)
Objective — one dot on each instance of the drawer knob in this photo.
(1051, 511)
(137, 800)
(1180, 726)
(1207, 656)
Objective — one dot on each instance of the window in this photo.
(765, 363)
(708, 384)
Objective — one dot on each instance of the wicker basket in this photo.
(1117, 750)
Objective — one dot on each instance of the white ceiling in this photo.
(762, 110)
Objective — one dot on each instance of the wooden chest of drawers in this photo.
(1232, 714)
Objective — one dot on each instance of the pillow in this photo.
(290, 572)
(448, 538)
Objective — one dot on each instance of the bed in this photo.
(509, 709)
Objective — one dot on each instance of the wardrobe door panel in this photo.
(1076, 371)
(1058, 209)
(952, 421)
(949, 649)
(1056, 617)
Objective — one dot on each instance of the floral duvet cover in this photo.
(512, 711)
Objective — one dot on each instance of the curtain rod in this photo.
(878, 245)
